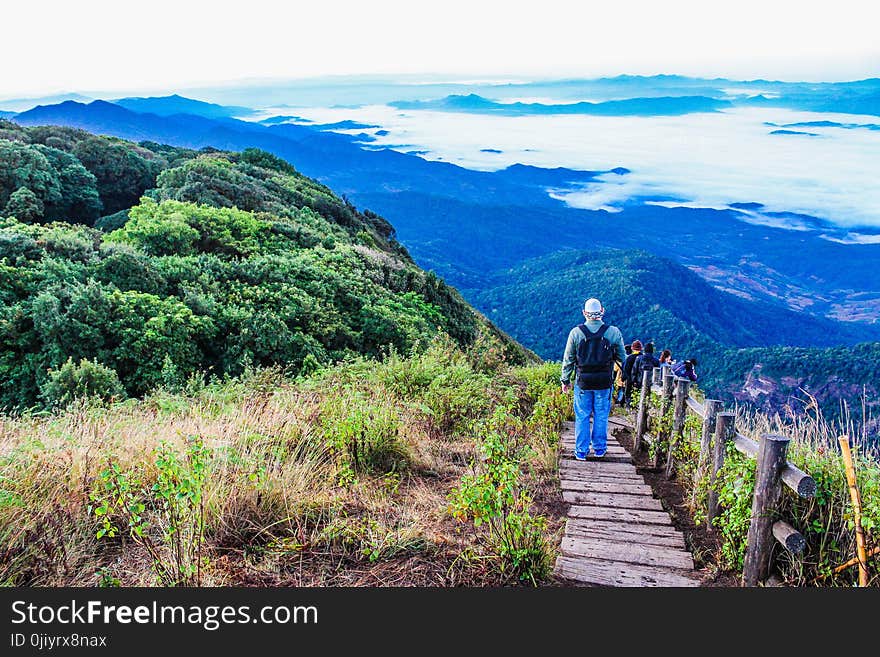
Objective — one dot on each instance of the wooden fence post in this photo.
(711, 408)
(768, 487)
(658, 376)
(666, 403)
(642, 418)
(682, 387)
(725, 431)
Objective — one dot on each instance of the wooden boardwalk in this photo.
(617, 533)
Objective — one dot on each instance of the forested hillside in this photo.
(743, 346)
(649, 297)
(124, 267)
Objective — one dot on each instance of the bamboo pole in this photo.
(857, 510)
(852, 562)
(849, 564)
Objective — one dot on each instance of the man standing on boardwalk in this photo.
(591, 349)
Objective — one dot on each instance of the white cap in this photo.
(593, 308)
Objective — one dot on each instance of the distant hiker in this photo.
(619, 383)
(686, 370)
(645, 363)
(628, 371)
(666, 358)
(591, 349)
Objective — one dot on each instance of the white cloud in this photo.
(706, 160)
(853, 238)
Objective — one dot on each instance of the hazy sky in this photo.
(95, 45)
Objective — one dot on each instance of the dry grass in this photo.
(283, 503)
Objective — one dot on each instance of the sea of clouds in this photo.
(705, 160)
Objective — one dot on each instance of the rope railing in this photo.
(718, 429)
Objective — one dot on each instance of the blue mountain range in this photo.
(470, 225)
(176, 104)
(660, 106)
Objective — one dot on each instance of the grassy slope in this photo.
(344, 477)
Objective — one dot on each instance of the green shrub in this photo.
(78, 381)
(493, 494)
(172, 509)
(363, 431)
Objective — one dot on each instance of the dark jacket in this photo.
(628, 365)
(645, 362)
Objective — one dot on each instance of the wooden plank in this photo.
(618, 514)
(608, 458)
(581, 470)
(616, 532)
(606, 487)
(570, 438)
(587, 475)
(572, 482)
(597, 465)
(615, 573)
(583, 524)
(623, 477)
(620, 420)
(612, 500)
(568, 453)
(569, 445)
(647, 555)
(620, 536)
(612, 539)
(575, 477)
(616, 451)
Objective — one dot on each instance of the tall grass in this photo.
(338, 477)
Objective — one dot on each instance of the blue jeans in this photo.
(598, 404)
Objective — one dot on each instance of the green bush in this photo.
(364, 432)
(24, 205)
(85, 379)
(167, 519)
(494, 494)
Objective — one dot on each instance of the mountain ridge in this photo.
(439, 207)
(649, 106)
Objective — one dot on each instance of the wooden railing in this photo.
(718, 429)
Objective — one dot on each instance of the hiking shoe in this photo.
(598, 455)
(580, 457)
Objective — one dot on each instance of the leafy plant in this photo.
(492, 494)
(177, 514)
